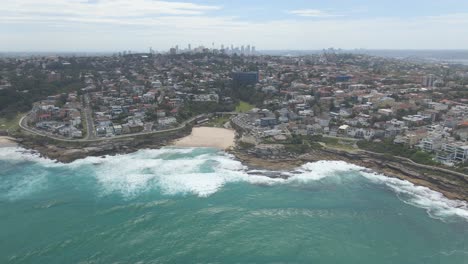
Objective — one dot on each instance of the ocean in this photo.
(200, 205)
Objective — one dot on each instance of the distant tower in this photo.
(189, 47)
(429, 80)
(253, 50)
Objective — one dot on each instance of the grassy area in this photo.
(296, 144)
(243, 107)
(387, 147)
(218, 121)
(301, 144)
(338, 143)
(10, 124)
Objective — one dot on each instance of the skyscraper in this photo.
(428, 81)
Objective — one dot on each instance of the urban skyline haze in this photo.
(107, 25)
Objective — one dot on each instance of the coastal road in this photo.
(23, 125)
(88, 114)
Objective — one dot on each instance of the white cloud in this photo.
(312, 13)
(103, 8)
(137, 25)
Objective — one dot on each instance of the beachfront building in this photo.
(453, 152)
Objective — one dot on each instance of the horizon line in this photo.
(259, 50)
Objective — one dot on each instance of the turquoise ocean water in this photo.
(198, 205)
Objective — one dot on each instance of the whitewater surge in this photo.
(204, 171)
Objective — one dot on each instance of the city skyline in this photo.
(105, 25)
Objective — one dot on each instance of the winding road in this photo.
(23, 125)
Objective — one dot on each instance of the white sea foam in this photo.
(13, 189)
(24, 185)
(204, 172)
(314, 171)
(18, 154)
(200, 174)
(184, 176)
(436, 205)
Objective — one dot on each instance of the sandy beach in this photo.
(7, 142)
(219, 138)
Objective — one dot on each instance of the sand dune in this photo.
(220, 138)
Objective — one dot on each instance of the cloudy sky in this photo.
(113, 25)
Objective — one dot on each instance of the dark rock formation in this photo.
(69, 151)
(452, 184)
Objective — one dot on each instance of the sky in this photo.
(115, 25)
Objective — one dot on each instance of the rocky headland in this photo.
(66, 151)
(452, 184)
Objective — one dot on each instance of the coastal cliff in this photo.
(452, 184)
(69, 151)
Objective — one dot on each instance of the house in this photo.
(386, 112)
(116, 110)
(167, 121)
(343, 130)
(314, 129)
(430, 144)
(160, 113)
(101, 131)
(453, 152)
(118, 129)
(268, 121)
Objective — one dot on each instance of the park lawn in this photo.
(218, 121)
(339, 143)
(341, 146)
(243, 107)
(10, 123)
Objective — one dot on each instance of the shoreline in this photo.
(211, 137)
(453, 187)
(7, 142)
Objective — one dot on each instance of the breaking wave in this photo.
(436, 205)
(204, 171)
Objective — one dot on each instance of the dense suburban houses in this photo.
(59, 114)
(417, 105)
